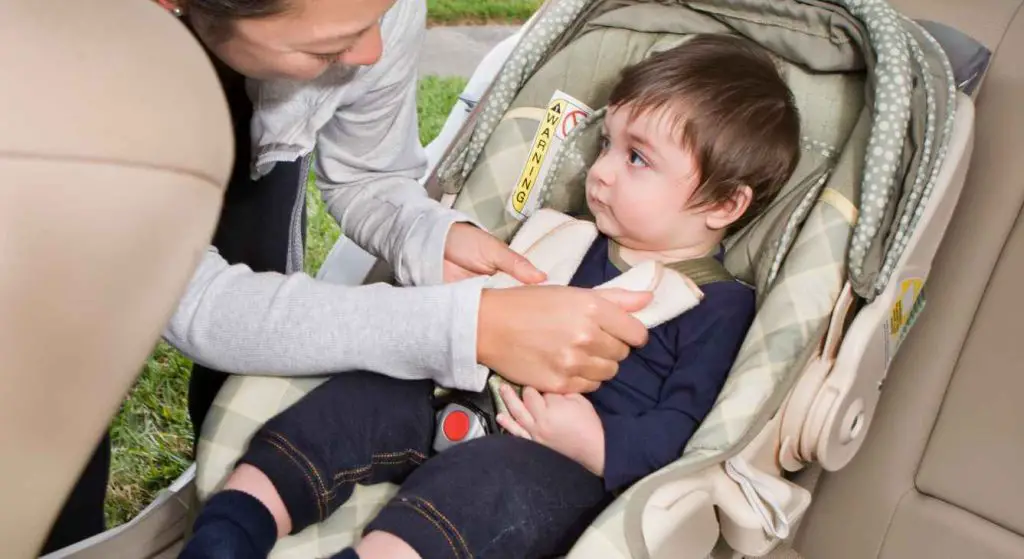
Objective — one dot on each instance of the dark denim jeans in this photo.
(495, 496)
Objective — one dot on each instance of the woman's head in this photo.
(294, 39)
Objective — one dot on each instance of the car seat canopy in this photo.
(846, 39)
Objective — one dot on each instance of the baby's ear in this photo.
(725, 213)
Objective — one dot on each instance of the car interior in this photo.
(935, 477)
(107, 201)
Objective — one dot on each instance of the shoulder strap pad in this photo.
(702, 271)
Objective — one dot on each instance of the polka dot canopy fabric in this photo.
(894, 45)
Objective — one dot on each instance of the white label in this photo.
(563, 114)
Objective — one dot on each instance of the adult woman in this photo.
(338, 78)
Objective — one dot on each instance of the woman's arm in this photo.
(237, 321)
(369, 161)
(558, 339)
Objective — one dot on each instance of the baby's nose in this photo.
(601, 171)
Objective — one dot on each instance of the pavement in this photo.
(456, 50)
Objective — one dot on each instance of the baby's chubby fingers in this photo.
(534, 402)
(517, 410)
(510, 425)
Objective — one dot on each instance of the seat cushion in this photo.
(927, 527)
(976, 452)
(945, 359)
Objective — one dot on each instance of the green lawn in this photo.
(447, 12)
(152, 435)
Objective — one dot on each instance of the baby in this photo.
(697, 140)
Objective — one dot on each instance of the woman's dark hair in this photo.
(215, 17)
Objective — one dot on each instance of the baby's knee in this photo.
(250, 479)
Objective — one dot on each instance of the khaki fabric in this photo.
(108, 198)
(938, 475)
(977, 420)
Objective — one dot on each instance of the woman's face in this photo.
(305, 40)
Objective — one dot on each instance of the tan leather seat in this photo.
(940, 475)
(115, 145)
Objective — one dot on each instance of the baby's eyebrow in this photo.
(640, 141)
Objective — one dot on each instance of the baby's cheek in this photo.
(640, 213)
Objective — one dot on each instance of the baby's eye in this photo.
(604, 142)
(637, 159)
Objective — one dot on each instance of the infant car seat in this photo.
(838, 260)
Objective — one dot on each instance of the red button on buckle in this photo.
(456, 425)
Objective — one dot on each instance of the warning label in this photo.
(570, 120)
(901, 315)
(563, 114)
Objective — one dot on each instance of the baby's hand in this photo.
(566, 423)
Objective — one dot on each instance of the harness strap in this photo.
(701, 271)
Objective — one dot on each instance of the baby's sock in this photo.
(232, 525)
(347, 553)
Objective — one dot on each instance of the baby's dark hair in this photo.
(732, 109)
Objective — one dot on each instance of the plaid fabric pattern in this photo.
(241, 407)
(491, 183)
(806, 273)
(792, 314)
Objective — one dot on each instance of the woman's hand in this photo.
(471, 251)
(567, 424)
(558, 339)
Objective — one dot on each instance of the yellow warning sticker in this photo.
(541, 144)
(899, 314)
(563, 113)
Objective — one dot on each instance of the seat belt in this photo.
(463, 415)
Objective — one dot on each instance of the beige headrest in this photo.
(115, 146)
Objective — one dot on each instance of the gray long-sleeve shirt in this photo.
(368, 162)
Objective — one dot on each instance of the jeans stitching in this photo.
(354, 479)
(365, 471)
(424, 514)
(305, 473)
(304, 457)
(378, 459)
(404, 454)
(356, 470)
(399, 460)
(362, 472)
(449, 523)
(400, 453)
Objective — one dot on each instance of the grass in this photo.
(450, 12)
(152, 434)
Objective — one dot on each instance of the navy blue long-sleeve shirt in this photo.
(665, 389)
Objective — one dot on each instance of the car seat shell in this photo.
(821, 207)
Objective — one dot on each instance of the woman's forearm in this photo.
(238, 321)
